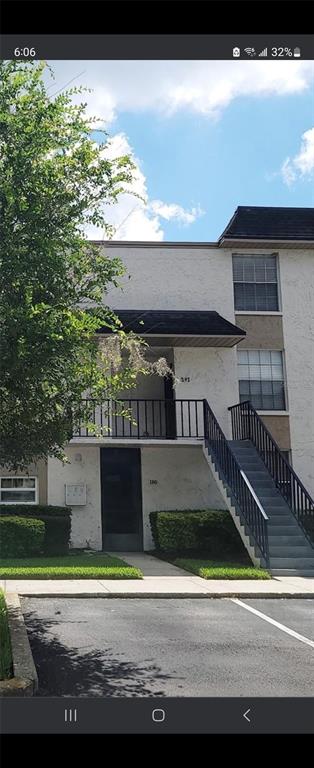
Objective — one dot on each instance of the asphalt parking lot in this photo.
(174, 647)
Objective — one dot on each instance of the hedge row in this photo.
(212, 531)
(56, 521)
(21, 536)
(34, 510)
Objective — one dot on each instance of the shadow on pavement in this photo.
(66, 671)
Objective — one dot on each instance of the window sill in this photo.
(257, 312)
(273, 413)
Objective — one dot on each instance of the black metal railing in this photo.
(143, 418)
(250, 508)
(247, 425)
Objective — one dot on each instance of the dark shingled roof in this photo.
(175, 322)
(258, 223)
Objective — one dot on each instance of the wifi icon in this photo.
(250, 51)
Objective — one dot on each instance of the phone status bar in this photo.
(157, 47)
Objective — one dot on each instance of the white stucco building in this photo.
(235, 320)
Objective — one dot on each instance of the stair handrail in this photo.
(251, 512)
(248, 425)
(246, 480)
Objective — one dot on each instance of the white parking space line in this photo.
(277, 624)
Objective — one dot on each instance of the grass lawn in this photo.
(211, 569)
(5, 644)
(75, 565)
(233, 566)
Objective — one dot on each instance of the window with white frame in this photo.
(255, 283)
(261, 379)
(18, 490)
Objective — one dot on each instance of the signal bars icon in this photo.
(263, 52)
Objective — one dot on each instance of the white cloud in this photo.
(302, 164)
(175, 212)
(138, 218)
(205, 87)
(288, 173)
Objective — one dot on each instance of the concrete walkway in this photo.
(162, 586)
(161, 579)
(150, 565)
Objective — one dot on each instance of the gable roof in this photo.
(276, 224)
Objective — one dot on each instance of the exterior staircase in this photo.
(290, 551)
(268, 502)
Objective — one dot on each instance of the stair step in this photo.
(279, 525)
(247, 454)
(292, 562)
(249, 457)
(284, 514)
(259, 488)
(294, 540)
(243, 453)
(253, 468)
(239, 442)
(278, 518)
(270, 493)
(260, 478)
(288, 551)
(281, 522)
(242, 446)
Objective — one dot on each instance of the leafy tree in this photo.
(54, 180)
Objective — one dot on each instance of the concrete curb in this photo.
(170, 595)
(25, 680)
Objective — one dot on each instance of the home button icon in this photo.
(158, 715)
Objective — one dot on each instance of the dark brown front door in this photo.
(121, 499)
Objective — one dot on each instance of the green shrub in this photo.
(5, 643)
(57, 522)
(34, 510)
(21, 536)
(57, 534)
(212, 531)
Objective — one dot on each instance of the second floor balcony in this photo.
(144, 419)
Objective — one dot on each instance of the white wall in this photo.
(181, 480)
(174, 278)
(297, 292)
(184, 481)
(213, 374)
(86, 520)
(183, 277)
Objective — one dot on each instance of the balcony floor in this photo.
(116, 441)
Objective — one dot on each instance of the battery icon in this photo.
(297, 53)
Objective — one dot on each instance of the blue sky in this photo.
(221, 164)
(206, 137)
